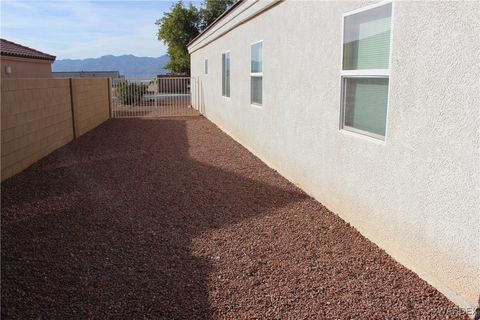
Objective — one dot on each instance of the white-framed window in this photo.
(366, 69)
(256, 73)
(206, 66)
(226, 60)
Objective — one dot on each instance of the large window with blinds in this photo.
(366, 69)
(226, 74)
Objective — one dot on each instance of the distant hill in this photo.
(128, 65)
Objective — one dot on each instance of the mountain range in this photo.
(132, 67)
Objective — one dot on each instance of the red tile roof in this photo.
(8, 48)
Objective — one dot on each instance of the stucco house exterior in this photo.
(371, 107)
(18, 61)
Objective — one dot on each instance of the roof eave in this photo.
(52, 58)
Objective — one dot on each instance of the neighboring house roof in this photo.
(230, 9)
(9, 48)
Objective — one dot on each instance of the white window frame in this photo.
(255, 74)
(206, 67)
(224, 74)
(364, 73)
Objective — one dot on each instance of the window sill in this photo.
(363, 135)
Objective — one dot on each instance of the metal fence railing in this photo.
(160, 97)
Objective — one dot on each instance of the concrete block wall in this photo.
(90, 101)
(36, 117)
(36, 120)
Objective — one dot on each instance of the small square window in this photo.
(256, 59)
(366, 39)
(256, 73)
(226, 74)
(256, 88)
(366, 104)
(365, 70)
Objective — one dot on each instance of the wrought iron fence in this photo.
(160, 97)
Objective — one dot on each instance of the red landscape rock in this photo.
(172, 219)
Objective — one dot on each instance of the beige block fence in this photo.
(39, 116)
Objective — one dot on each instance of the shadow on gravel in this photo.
(103, 227)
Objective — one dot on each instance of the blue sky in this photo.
(80, 29)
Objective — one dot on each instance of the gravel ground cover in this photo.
(166, 109)
(172, 219)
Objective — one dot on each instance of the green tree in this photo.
(181, 25)
(130, 93)
(177, 28)
(212, 10)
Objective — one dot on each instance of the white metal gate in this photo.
(160, 97)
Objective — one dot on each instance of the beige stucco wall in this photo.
(417, 194)
(90, 102)
(36, 117)
(25, 68)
